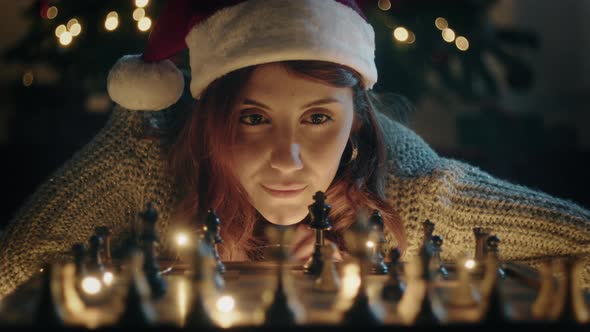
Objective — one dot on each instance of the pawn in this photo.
(394, 288)
(328, 280)
(213, 237)
(436, 261)
(150, 240)
(377, 239)
(138, 310)
(48, 313)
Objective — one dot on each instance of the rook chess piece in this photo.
(377, 239)
(394, 288)
(320, 222)
(150, 240)
(328, 280)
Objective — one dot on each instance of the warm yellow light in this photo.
(470, 264)
(448, 35)
(75, 29)
(91, 285)
(370, 244)
(225, 304)
(65, 38)
(462, 43)
(138, 14)
(71, 23)
(52, 12)
(144, 24)
(28, 81)
(400, 34)
(113, 14)
(111, 23)
(141, 3)
(182, 239)
(351, 280)
(384, 4)
(411, 38)
(108, 278)
(182, 298)
(441, 23)
(59, 30)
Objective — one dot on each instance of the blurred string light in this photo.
(403, 35)
(144, 24)
(141, 3)
(65, 33)
(441, 23)
(52, 12)
(462, 43)
(448, 35)
(138, 14)
(384, 4)
(74, 27)
(28, 78)
(112, 21)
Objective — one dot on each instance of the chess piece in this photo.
(377, 238)
(95, 265)
(320, 223)
(545, 296)
(428, 230)
(150, 239)
(203, 270)
(328, 280)
(280, 311)
(436, 261)
(213, 237)
(394, 288)
(570, 305)
(79, 253)
(492, 244)
(48, 312)
(105, 234)
(481, 235)
(138, 311)
(360, 312)
(425, 314)
(463, 294)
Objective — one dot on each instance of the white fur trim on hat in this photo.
(262, 31)
(140, 86)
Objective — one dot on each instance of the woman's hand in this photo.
(303, 242)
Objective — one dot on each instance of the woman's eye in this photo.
(253, 119)
(318, 119)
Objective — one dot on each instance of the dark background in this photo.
(515, 103)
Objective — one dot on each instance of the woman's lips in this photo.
(284, 193)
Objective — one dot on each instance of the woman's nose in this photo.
(286, 156)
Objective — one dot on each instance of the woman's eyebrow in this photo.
(318, 102)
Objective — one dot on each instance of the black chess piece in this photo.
(426, 315)
(394, 288)
(47, 312)
(494, 308)
(320, 222)
(79, 253)
(436, 261)
(428, 230)
(105, 234)
(138, 311)
(95, 265)
(377, 237)
(213, 237)
(481, 234)
(203, 270)
(492, 248)
(150, 239)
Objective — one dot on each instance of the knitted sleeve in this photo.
(93, 188)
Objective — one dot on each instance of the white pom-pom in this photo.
(140, 86)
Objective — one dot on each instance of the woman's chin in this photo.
(284, 219)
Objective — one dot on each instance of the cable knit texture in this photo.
(111, 179)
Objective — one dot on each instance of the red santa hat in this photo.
(226, 35)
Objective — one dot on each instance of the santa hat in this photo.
(226, 35)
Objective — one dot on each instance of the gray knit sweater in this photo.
(109, 181)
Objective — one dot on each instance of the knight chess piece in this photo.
(328, 280)
(394, 288)
(377, 239)
(138, 310)
(320, 223)
(436, 261)
(213, 237)
(150, 240)
(105, 234)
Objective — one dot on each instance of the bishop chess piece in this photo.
(138, 310)
(377, 239)
(150, 239)
(360, 312)
(48, 312)
(202, 272)
(105, 234)
(320, 223)
(437, 261)
(328, 281)
(213, 237)
(394, 287)
(281, 311)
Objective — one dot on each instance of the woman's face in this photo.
(291, 135)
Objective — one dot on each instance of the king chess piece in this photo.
(328, 280)
(320, 223)
(377, 239)
(150, 239)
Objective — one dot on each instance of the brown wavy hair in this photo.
(202, 169)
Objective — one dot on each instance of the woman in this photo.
(260, 143)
